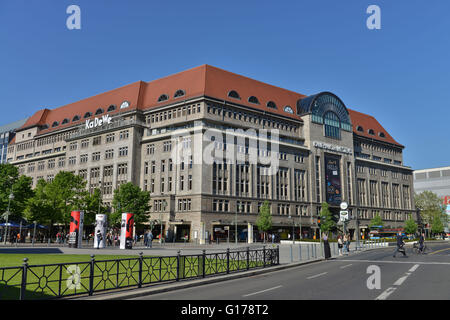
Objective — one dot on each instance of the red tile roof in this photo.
(367, 122)
(204, 80)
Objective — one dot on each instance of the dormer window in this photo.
(163, 97)
(271, 105)
(179, 93)
(76, 118)
(65, 121)
(99, 111)
(55, 124)
(371, 132)
(234, 94)
(381, 134)
(111, 108)
(253, 99)
(87, 115)
(360, 129)
(288, 109)
(45, 126)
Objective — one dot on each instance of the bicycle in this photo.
(416, 249)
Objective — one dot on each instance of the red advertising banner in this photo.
(76, 228)
(126, 235)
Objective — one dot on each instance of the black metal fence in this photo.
(86, 278)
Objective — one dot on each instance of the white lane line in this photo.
(399, 262)
(400, 281)
(385, 294)
(414, 268)
(251, 294)
(343, 267)
(317, 275)
(397, 283)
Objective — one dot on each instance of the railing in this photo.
(86, 278)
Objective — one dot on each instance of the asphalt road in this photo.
(413, 277)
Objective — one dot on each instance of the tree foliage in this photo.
(264, 221)
(19, 186)
(326, 218)
(130, 198)
(410, 226)
(376, 221)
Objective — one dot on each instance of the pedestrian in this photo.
(400, 245)
(149, 239)
(345, 244)
(348, 242)
(326, 247)
(273, 237)
(340, 245)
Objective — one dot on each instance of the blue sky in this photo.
(399, 74)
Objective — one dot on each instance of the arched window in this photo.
(55, 124)
(371, 132)
(179, 93)
(99, 111)
(76, 118)
(360, 129)
(253, 99)
(271, 104)
(87, 114)
(111, 108)
(234, 94)
(332, 125)
(163, 97)
(382, 135)
(288, 109)
(65, 121)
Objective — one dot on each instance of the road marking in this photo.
(317, 275)
(397, 283)
(413, 268)
(400, 281)
(343, 267)
(388, 261)
(386, 294)
(251, 294)
(440, 250)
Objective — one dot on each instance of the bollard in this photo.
(334, 248)
(292, 258)
(299, 252)
(307, 249)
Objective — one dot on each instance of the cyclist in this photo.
(421, 242)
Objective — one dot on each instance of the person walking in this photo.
(400, 245)
(340, 245)
(326, 247)
(345, 244)
(348, 243)
(421, 242)
(149, 239)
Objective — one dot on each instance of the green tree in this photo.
(20, 186)
(410, 226)
(326, 218)
(376, 221)
(40, 207)
(264, 221)
(92, 204)
(430, 206)
(437, 226)
(130, 198)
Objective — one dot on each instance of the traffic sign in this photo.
(343, 215)
(344, 205)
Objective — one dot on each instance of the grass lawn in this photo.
(66, 274)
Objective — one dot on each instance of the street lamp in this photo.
(164, 203)
(100, 197)
(241, 206)
(293, 232)
(6, 215)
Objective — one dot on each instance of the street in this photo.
(412, 277)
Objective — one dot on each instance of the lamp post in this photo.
(241, 206)
(7, 213)
(100, 197)
(293, 232)
(160, 219)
